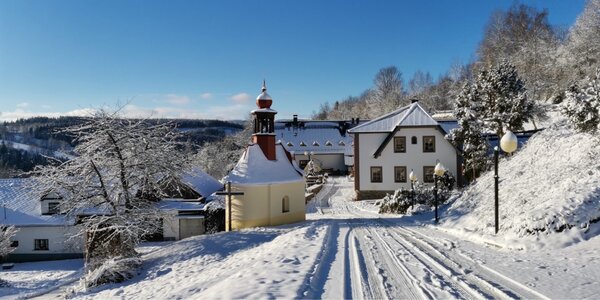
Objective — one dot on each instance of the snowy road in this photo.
(375, 258)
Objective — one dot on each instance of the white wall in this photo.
(171, 224)
(414, 158)
(58, 240)
(328, 161)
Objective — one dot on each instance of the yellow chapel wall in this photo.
(261, 205)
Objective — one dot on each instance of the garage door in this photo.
(190, 227)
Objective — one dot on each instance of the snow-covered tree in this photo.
(218, 158)
(582, 104)
(469, 136)
(581, 51)
(503, 98)
(112, 184)
(6, 233)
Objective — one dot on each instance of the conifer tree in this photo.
(582, 104)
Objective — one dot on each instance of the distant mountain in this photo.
(28, 142)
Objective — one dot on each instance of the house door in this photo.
(190, 227)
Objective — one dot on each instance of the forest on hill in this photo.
(26, 143)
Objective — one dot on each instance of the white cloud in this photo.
(7, 116)
(226, 112)
(177, 99)
(206, 96)
(22, 105)
(241, 98)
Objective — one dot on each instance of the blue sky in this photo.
(207, 59)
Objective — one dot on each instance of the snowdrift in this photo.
(551, 185)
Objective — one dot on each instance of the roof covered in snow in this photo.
(201, 182)
(177, 204)
(410, 115)
(320, 137)
(20, 207)
(254, 168)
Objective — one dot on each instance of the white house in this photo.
(324, 141)
(388, 148)
(269, 186)
(43, 233)
(46, 234)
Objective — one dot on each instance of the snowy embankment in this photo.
(261, 262)
(552, 185)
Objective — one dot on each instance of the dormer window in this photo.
(289, 144)
(328, 143)
(315, 143)
(53, 208)
(302, 144)
(341, 143)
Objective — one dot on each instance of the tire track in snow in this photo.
(489, 276)
(314, 282)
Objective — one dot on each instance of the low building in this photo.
(326, 142)
(184, 209)
(269, 186)
(388, 148)
(43, 233)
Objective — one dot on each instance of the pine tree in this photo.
(469, 134)
(504, 99)
(582, 104)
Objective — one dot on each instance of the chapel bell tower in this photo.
(264, 124)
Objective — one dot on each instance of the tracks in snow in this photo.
(383, 260)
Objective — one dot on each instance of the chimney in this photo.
(295, 122)
(414, 100)
(357, 120)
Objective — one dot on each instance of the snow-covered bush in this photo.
(113, 270)
(582, 105)
(215, 214)
(402, 200)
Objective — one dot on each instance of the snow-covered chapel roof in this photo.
(410, 115)
(254, 168)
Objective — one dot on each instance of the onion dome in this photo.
(264, 100)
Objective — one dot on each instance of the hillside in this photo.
(26, 142)
(551, 185)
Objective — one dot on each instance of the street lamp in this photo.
(509, 144)
(412, 178)
(438, 171)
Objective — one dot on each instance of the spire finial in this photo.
(264, 87)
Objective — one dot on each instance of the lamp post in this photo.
(438, 171)
(412, 178)
(508, 143)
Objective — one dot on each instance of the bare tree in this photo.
(112, 184)
(388, 92)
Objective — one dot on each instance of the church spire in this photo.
(264, 123)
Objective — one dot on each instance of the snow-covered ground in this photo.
(346, 250)
(34, 278)
(549, 194)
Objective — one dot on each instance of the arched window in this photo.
(413, 140)
(285, 204)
